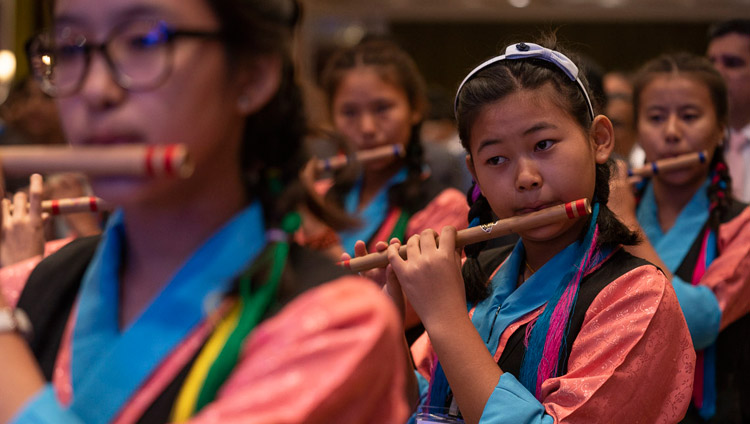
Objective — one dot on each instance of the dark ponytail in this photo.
(475, 279)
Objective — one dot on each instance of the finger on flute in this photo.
(363, 156)
(136, 160)
(669, 164)
(73, 205)
(484, 232)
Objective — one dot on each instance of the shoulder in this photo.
(735, 226)
(68, 259)
(447, 207)
(343, 302)
(333, 351)
(643, 289)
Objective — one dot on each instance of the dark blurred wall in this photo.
(446, 52)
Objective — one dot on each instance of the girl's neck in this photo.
(373, 181)
(540, 252)
(160, 238)
(671, 200)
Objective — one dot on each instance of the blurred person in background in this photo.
(729, 51)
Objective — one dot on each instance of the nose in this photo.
(527, 175)
(672, 129)
(367, 124)
(98, 87)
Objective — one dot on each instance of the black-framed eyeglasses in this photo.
(139, 55)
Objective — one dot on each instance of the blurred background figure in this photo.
(619, 109)
(443, 150)
(29, 116)
(729, 51)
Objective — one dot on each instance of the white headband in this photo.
(528, 51)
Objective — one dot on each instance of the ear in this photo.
(258, 83)
(602, 135)
(416, 116)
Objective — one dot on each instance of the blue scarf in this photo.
(509, 302)
(108, 364)
(372, 216)
(672, 247)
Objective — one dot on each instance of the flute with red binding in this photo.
(364, 156)
(669, 164)
(128, 160)
(74, 205)
(483, 232)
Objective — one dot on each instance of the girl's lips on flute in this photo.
(535, 207)
(110, 139)
(668, 155)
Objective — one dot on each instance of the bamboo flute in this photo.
(74, 205)
(669, 164)
(364, 156)
(483, 232)
(130, 160)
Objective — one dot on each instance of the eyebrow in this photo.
(534, 128)
(137, 11)
(539, 127)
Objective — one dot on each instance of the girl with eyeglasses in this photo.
(193, 305)
(566, 325)
(697, 231)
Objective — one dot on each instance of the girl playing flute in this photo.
(193, 305)
(697, 231)
(565, 326)
(376, 97)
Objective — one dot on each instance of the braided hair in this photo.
(700, 69)
(395, 66)
(497, 82)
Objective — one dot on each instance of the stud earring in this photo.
(244, 103)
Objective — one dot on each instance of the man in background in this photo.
(729, 51)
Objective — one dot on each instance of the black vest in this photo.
(732, 350)
(592, 284)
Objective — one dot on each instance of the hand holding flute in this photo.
(570, 210)
(22, 230)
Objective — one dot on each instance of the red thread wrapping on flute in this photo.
(581, 207)
(149, 158)
(569, 210)
(346, 264)
(92, 204)
(55, 207)
(168, 159)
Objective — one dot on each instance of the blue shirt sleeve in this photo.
(701, 310)
(511, 402)
(44, 408)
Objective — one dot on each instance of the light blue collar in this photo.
(372, 216)
(108, 365)
(507, 304)
(673, 246)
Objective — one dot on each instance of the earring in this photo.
(244, 104)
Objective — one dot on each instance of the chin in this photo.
(121, 191)
(557, 234)
(681, 179)
(543, 234)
